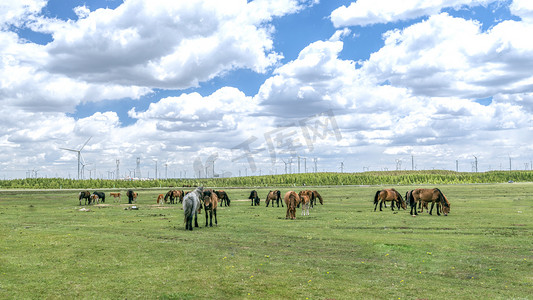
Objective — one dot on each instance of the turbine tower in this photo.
(79, 154)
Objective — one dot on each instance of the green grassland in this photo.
(483, 249)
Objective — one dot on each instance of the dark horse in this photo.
(132, 196)
(388, 195)
(422, 196)
(85, 195)
(274, 196)
(316, 195)
(255, 198)
(99, 196)
(223, 197)
(210, 200)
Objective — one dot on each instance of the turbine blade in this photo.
(86, 143)
(73, 150)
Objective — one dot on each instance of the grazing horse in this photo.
(388, 195)
(160, 199)
(174, 194)
(305, 200)
(85, 195)
(115, 196)
(191, 203)
(428, 195)
(132, 196)
(274, 195)
(210, 199)
(223, 197)
(308, 193)
(255, 198)
(315, 196)
(97, 197)
(179, 196)
(291, 200)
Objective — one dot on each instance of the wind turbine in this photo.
(79, 154)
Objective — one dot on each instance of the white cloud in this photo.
(368, 12)
(447, 56)
(220, 111)
(312, 83)
(166, 45)
(16, 12)
(523, 9)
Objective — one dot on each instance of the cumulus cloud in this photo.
(312, 83)
(447, 56)
(220, 111)
(523, 9)
(166, 45)
(368, 12)
(16, 12)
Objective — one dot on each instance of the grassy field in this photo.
(344, 250)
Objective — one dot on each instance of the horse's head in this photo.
(208, 201)
(402, 202)
(445, 208)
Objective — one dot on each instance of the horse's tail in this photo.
(376, 197)
(278, 193)
(411, 199)
(188, 207)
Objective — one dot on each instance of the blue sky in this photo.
(186, 84)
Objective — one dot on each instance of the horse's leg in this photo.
(376, 205)
(206, 213)
(195, 219)
(431, 210)
(392, 205)
(380, 205)
(413, 208)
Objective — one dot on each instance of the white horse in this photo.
(191, 203)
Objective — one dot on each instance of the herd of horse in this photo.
(96, 197)
(420, 197)
(208, 200)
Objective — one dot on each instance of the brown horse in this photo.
(291, 200)
(305, 201)
(274, 196)
(178, 195)
(391, 195)
(160, 199)
(223, 197)
(210, 200)
(309, 194)
(115, 196)
(316, 195)
(421, 196)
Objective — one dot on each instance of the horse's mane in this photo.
(399, 195)
(442, 198)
